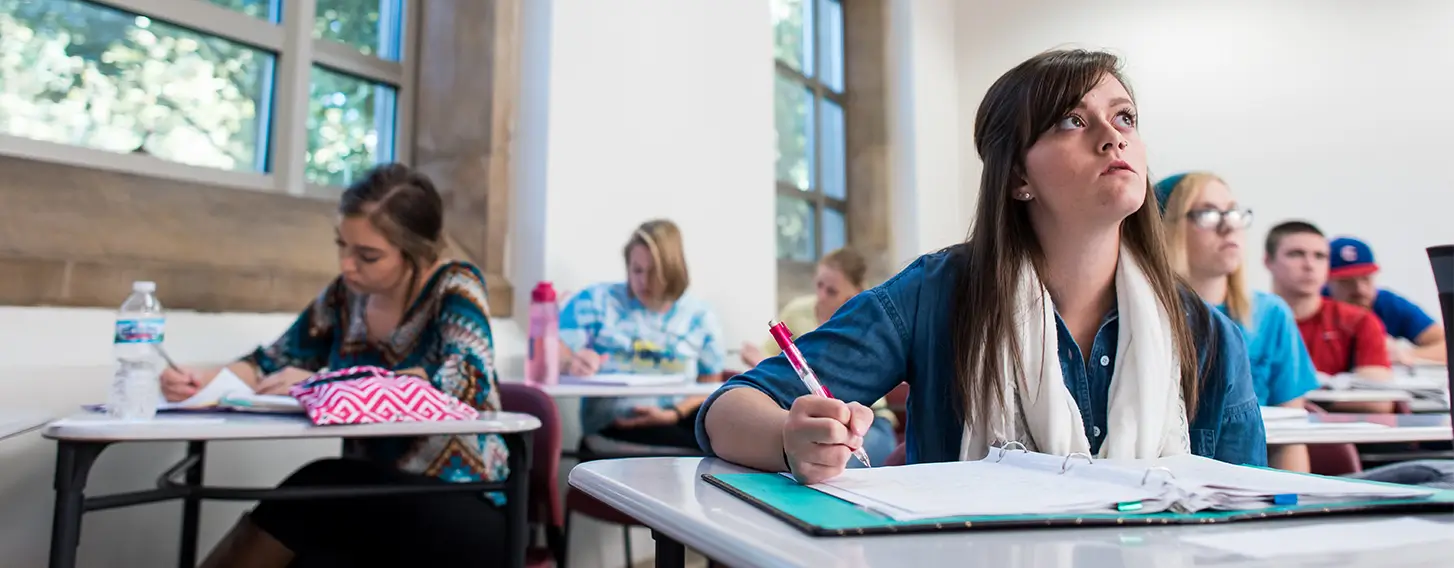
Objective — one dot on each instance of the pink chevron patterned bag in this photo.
(372, 395)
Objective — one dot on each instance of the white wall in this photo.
(54, 360)
(932, 203)
(1327, 110)
(631, 110)
(656, 108)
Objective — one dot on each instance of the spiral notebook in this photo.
(1019, 488)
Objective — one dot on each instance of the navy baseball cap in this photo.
(1350, 258)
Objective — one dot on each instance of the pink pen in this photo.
(784, 339)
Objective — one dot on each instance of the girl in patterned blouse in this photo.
(395, 305)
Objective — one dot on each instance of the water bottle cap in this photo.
(143, 286)
(543, 292)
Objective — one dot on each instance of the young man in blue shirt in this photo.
(1351, 279)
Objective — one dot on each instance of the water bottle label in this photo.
(147, 330)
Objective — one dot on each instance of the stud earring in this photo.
(1025, 196)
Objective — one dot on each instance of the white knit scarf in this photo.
(1147, 416)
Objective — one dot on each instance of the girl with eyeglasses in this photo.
(1206, 231)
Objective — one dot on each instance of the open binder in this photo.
(1016, 488)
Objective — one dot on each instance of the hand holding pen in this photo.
(821, 432)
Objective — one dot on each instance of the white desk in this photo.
(17, 422)
(1419, 380)
(1342, 429)
(579, 390)
(217, 426)
(668, 495)
(81, 439)
(1360, 395)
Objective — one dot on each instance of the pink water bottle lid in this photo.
(543, 292)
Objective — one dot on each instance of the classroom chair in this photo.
(600, 447)
(1331, 459)
(899, 456)
(899, 402)
(545, 506)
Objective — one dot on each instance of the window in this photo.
(264, 9)
(370, 26)
(812, 157)
(83, 74)
(350, 126)
(204, 90)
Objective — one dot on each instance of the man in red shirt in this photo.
(1341, 338)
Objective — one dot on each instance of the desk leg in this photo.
(517, 495)
(73, 466)
(669, 553)
(192, 505)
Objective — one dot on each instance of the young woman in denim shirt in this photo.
(1059, 324)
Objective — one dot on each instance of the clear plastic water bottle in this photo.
(542, 364)
(140, 328)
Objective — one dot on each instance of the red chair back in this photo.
(545, 505)
(1332, 459)
(898, 400)
(897, 457)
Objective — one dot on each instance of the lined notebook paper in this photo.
(1017, 482)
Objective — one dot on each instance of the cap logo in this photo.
(1348, 253)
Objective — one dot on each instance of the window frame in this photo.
(816, 195)
(296, 50)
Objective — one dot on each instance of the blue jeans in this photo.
(878, 442)
(1438, 474)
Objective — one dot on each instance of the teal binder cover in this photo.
(821, 514)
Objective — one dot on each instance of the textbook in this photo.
(1020, 488)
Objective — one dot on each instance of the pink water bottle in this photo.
(542, 366)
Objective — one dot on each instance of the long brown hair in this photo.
(404, 206)
(1021, 105)
(1179, 201)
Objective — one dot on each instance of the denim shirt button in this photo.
(1105, 360)
(1096, 431)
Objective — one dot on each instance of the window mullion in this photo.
(204, 18)
(818, 143)
(290, 124)
(408, 51)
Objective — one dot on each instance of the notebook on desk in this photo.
(626, 380)
(226, 391)
(1024, 489)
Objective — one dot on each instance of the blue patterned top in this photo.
(684, 340)
(446, 332)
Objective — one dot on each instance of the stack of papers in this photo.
(1028, 483)
(1224, 486)
(1277, 413)
(1284, 425)
(629, 380)
(1411, 383)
